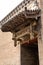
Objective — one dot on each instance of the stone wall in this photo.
(40, 41)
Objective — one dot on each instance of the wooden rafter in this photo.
(19, 19)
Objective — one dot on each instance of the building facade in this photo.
(23, 27)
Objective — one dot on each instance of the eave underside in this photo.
(20, 20)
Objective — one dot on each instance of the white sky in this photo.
(6, 6)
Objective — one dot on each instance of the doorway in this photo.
(29, 54)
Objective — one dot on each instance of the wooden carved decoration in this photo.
(23, 22)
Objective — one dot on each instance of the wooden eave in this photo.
(19, 20)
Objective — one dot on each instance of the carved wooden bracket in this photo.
(27, 34)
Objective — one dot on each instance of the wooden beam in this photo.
(31, 33)
(23, 32)
(31, 41)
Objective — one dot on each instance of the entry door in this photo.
(29, 54)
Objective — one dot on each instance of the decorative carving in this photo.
(27, 34)
(23, 32)
(16, 21)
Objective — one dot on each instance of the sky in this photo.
(7, 6)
